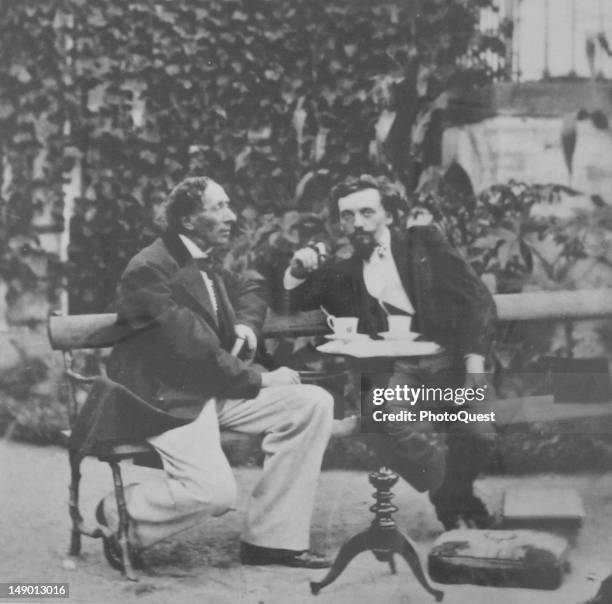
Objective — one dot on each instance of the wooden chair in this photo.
(70, 333)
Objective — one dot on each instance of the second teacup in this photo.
(343, 327)
(399, 325)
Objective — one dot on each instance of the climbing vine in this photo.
(256, 93)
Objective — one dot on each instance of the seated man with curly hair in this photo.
(412, 272)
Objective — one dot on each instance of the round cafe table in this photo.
(382, 537)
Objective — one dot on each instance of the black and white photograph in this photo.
(306, 301)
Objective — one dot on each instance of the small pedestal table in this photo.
(382, 538)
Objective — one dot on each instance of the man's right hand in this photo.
(283, 376)
(307, 259)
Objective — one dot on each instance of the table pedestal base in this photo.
(382, 539)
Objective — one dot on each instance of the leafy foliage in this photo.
(518, 237)
(256, 93)
(502, 234)
(32, 142)
(32, 397)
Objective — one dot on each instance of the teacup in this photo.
(399, 325)
(343, 327)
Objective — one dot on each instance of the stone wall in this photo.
(528, 149)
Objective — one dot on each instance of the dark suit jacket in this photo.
(177, 354)
(113, 415)
(452, 305)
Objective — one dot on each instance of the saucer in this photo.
(388, 335)
(347, 338)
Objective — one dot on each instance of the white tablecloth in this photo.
(366, 347)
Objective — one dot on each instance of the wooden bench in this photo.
(75, 332)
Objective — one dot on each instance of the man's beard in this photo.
(363, 244)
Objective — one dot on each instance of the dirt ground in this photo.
(202, 565)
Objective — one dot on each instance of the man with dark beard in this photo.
(414, 272)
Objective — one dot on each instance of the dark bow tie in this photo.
(381, 251)
(207, 264)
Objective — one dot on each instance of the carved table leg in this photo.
(382, 538)
(353, 547)
(402, 546)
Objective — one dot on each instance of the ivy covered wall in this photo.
(256, 93)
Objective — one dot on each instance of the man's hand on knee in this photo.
(283, 376)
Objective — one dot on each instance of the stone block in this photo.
(500, 558)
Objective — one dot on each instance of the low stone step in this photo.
(551, 508)
(500, 558)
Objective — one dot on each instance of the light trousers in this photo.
(295, 422)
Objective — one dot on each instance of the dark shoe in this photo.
(255, 555)
(465, 520)
(458, 520)
(470, 513)
(112, 549)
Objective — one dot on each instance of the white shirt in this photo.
(382, 278)
(196, 252)
(243, 332)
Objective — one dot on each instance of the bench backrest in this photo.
(73, 332)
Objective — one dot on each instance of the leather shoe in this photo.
(473, 518)
(255, 555)
(112, 548)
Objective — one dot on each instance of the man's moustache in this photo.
(363, 243)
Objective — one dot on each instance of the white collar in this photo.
(383, 246)
(385, 238)
(195, 251)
